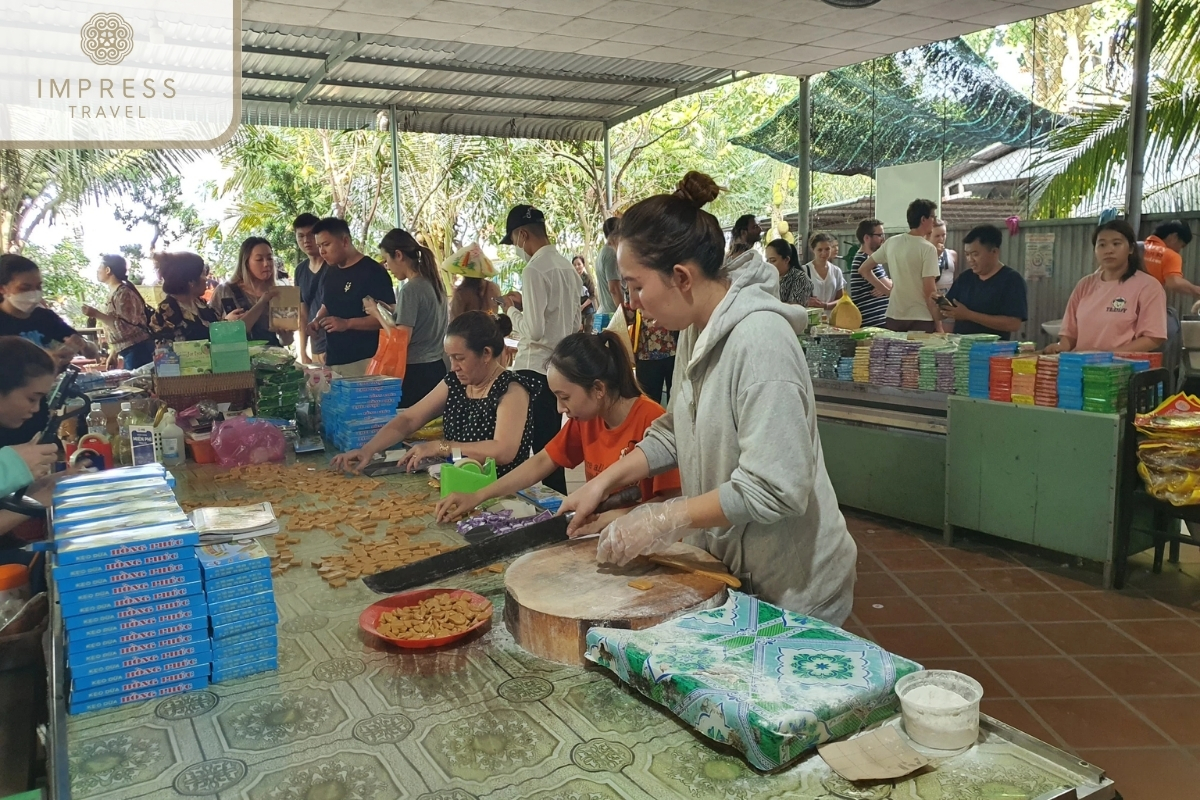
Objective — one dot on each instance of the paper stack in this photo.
(125, 567)
(241, 602)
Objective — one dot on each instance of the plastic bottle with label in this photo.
(123, 450)
(97, 422)
(173, 454)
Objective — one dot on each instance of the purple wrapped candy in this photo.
(500, 521)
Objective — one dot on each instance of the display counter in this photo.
(1041, 476)
(346, 716)
(885, 449)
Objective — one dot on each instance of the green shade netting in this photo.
(940, 100)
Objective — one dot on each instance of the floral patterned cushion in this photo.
(768, 682)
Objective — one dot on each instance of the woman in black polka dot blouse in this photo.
(484, 407)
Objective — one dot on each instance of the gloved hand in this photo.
(649, 528)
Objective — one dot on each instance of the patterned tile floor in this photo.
(1113, 677)
(343, 719)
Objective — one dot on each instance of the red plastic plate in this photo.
(368, 620)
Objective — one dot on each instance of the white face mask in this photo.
(521, 248)
(25, 301)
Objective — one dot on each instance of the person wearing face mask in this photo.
(593, 382)
(124, 315)
(22, 313)
(742, 426)
(544, 313)
(484, 407)
(247, 297)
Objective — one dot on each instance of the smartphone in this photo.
(944, 301)
(228, 305)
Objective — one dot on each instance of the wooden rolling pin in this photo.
(695, 569)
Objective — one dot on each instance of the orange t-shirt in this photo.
(597, 447)
(1161, 260)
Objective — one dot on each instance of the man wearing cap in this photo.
(543, 314)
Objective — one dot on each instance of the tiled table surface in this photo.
(347, 719)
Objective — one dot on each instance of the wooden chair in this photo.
(1146, 391)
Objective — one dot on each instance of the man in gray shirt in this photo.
(608, 278)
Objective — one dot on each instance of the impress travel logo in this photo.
(96, 74)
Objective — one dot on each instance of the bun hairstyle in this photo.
(786, 249)
(179, 271)
(585, 358)
(398, 240)
(481, 332)
(1125, 229)
(669, 229)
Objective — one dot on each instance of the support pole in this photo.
(804, 163)
(1139, 99)
(608, 196)
(395, 166)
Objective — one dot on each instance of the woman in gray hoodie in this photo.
(742, 423)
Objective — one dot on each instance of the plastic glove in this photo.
(649, 528)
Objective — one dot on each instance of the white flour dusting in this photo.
(931, 696)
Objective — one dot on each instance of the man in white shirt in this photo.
(912, 263)
(544, 313)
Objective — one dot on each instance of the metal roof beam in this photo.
(683, 91)
(540, 98)
(349, 47)
(467, 69)
(460, 112)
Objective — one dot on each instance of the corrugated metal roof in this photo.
(449, 87)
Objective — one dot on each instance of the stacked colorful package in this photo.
(962, 360)
(128, 579)
(1070, 376)
(241, 602)
(1045, 392)
(862, 360)
(845, 369)
(979, 365)
(910, 367)
(1024, 380)
(1106, 387)
(1000, 378)
(1152, 360)
(355, 409)
(279, 390)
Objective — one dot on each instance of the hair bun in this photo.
(697, 188)
(503, 324)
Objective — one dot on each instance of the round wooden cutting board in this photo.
(554, 595)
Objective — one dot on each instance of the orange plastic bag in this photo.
(391, 356)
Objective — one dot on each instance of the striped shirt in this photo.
(873, 309)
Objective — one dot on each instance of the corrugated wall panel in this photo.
(1072, 260)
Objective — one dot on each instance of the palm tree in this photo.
(1087, 157)
(38, 185)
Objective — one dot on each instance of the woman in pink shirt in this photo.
(1118, 308)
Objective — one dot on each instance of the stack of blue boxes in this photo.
(356, 408)
(979, 375)
(241, 603)
(125, 566)
(1070, 376)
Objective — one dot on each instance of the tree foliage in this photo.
(159, 204)
(1087, 158)
(66, 278)
(36, 186)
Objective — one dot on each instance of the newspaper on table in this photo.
(220, 525)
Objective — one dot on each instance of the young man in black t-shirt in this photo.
(351, 336)
(309, 274)
(989, 297)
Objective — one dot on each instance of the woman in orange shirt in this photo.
(592, 376)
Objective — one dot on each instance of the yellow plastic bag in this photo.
(845, 314)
